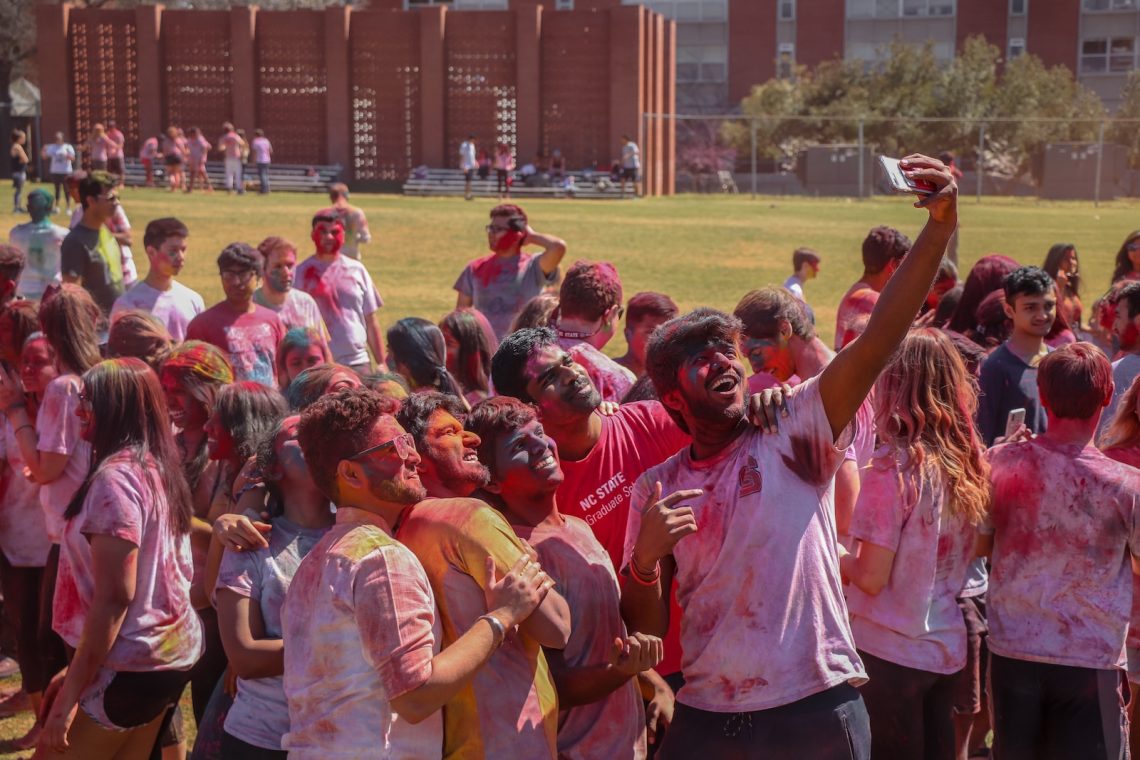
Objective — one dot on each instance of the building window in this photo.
(900, 8)
(1017, 7)
(787, 10)
(1016, 48)
(563, 5)
(1101, 56)
(424, 3)
(785, 60)
(1110, 5)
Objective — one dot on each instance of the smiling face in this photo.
(290, 458)
(86, 418)
(390, 477)
(1032, 314)
(710, 386)
(328, 237)
(526, 464)
(37, 367)
(559, 385)
(449, 462)
(771, 355)
(220, 445)
(186, 412)
(169, 257)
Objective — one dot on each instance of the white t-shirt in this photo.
(765, 621)
(630, 156)
(467, 160)
(174, 308)
(262, 150)
(299, 310)
(23, 532)
(62, 158)
(345, 294)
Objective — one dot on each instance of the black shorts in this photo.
(630, 174)
(115, 165)
(468, 174)
(1042, 710)
(98, 166)
(172, 160)
(126, 700)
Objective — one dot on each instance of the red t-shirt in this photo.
(597, 489)
(249, 340)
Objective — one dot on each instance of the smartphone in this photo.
(1015, 420)
(901, 183)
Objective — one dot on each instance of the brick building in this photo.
(377, 91)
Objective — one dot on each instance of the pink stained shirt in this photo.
(773, 629)
(198, 147)
(1131, 457)
(118, 140)
(611, 379)
(230, 145)
(249, 339)
(1065, 525)
(261, 149)
(360, 629)
(613, 726)
(57, 429)
(914, 621)
(160, 631)
(858, 302)
(23, 531)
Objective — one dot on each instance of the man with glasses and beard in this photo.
(510, 708)
(364, 674)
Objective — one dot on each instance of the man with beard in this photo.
(747, 530)
(174, 304)
(295, 308)
(346, 296)
(601, 710)
(601, 456)
(1126, 328)
(362, 655)
(510, 708)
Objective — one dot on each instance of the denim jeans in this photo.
(263, 177)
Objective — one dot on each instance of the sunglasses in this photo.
(404, 444)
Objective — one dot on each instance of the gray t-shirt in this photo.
(1124, 371)
(500, 286)
(1007, 383)
(95, 256)
(260, 713)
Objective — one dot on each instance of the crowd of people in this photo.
(485, 537)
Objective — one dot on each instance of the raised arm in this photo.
(848, 379)
(553, 249)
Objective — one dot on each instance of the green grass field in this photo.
(702, 250)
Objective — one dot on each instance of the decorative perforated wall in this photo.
(291, 84)
(197, 72)
(481, 73)
(575, 89)
(104, 63)
(385, 95)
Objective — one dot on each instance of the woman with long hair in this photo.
(921, 500)
(417, 350)
(18, 166)
(49, 441)
(18, 320)
(139, 334)
(1128, 259)
(985, 277)
(123, 597)
(470, 345)
(318, 381)
(1063, 266)
(251, 589)
(24, 541)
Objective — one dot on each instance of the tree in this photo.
(1125, 133)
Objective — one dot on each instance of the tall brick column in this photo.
(148, 31)
(669, 106)
(338, 103)
(243, 56)
(627, 62)
(433, 86)
(52, 58)
(528, 34)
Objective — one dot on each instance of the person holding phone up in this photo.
(501, 283)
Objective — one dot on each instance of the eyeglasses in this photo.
(404, 443)
(232, 276)
(494, 228)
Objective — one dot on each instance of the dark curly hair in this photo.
(509, 362)
(1027, 281)
(589, 289)
(761, 310)
(882, 246)
(337, 426)
(417, 409)
(494, 418)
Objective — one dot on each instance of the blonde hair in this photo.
(924, 407)
(1123, 430)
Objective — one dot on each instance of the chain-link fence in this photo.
(837, 155)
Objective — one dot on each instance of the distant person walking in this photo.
(262, 151)
(99, 148)
(19, 166)
(504, 165)
(199, 147)
(351, 217)
(630, 164)
(173, 156)
(468, 163)
(231, 145)
(147, 154)
(115, 164)
(61, 158)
